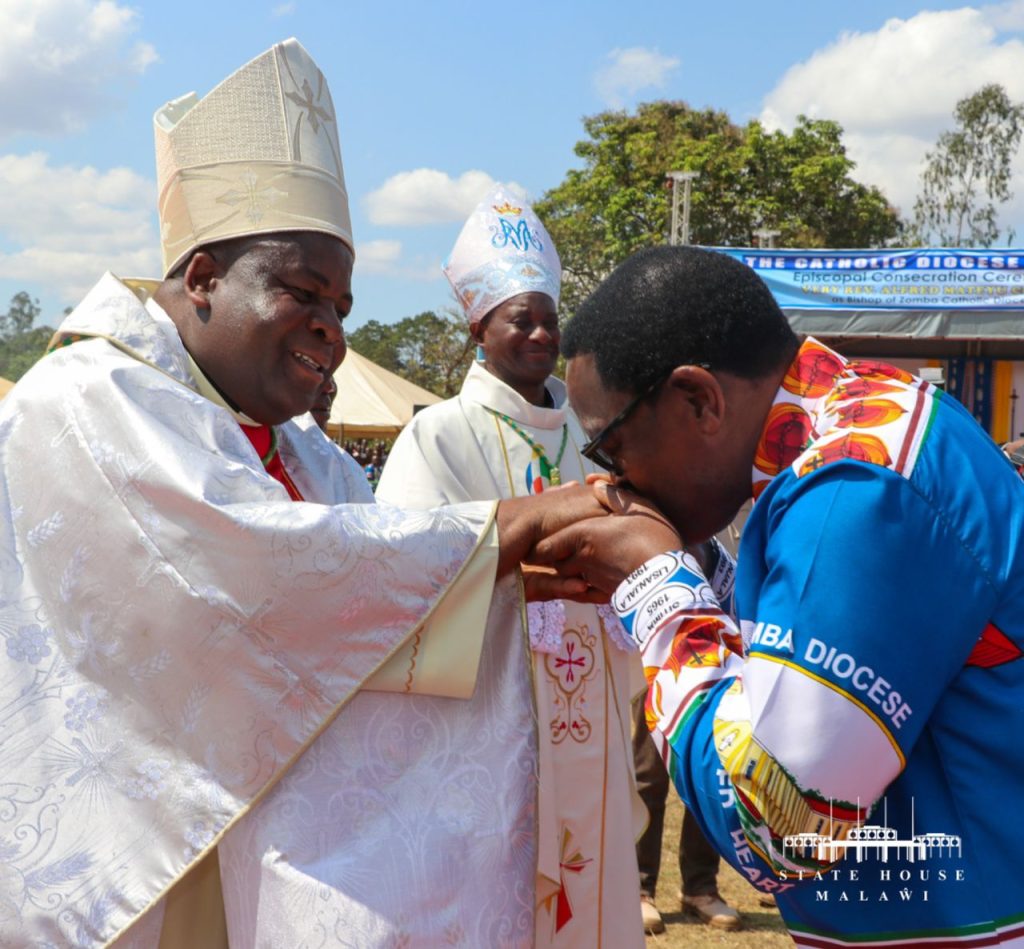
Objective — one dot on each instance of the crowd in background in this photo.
(370, 453)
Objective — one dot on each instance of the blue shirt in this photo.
(858, 758)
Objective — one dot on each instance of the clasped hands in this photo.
(579, 542)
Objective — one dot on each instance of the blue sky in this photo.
(436, 100)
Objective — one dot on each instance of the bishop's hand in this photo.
(522, 522)
(604, 551)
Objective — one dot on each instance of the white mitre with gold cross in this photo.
(258, 154)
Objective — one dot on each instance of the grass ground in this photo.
(762, 928)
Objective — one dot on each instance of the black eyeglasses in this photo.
(593, 450)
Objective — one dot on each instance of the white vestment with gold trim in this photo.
(176, 634)
(586, 888)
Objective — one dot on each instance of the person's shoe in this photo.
(653, 923)
(713, 910)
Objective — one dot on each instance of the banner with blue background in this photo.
(918, 279)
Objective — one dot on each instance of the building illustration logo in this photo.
(863, 840)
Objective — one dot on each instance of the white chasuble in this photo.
(585, 887)
(175, 634)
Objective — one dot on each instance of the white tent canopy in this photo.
(373, 402)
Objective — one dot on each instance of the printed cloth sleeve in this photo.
(845, 658)
(722, 577)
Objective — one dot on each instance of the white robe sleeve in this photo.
(175, 632)
(428, 463)
(437, 460)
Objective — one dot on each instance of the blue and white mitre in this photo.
(502, 251)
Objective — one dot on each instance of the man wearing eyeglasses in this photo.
(864, 702)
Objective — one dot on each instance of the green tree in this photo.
(21, 343)
(431, 350)
(20, 315)
(378, 342)
(797, 183)
(967, 175)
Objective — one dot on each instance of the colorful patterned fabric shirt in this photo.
(848, 744)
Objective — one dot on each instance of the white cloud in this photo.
(61, 61)
(894, 90)
(377, 257)
(428, 196)
(1006, 16)
(66, 225)
(142, 56)
(283, 9)
(628, 71)
(389, 258)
